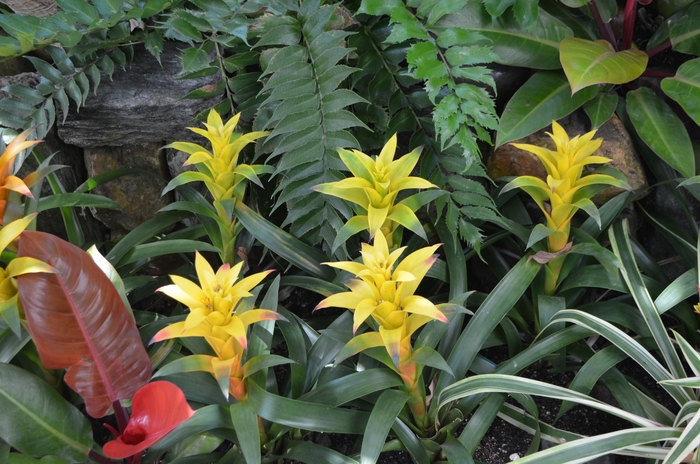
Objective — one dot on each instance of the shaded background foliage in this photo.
(317, 76)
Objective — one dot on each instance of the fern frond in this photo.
(447, 62)
(306, 113)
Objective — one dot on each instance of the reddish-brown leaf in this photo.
(78, 322)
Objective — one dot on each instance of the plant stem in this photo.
(121, 415)
(604, 28)
(628, 27)
(657, 73)
(95, 456)
(658, 49)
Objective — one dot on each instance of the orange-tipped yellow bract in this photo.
(385, 291)
(217, 313)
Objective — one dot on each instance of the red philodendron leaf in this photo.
(156, 410)
(78, 321)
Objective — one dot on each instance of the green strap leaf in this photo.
(499, 302)
(586, 449)
(83, 200)
(661, 129)
(305, 415)
(288, 247)
(245, 422)
(546, 96)
(384, 413)
(619, 239)
(37, 421)
(684, 88)
(311, 453)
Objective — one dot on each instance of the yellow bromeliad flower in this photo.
(219, 168)
(215, 315)
(213, 306)
(8, 181)
(564, 191)
(374, 188)
(223, 175)
(10, 310)
(385, 293)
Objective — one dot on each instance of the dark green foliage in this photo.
(306, 114)
(93, 38)
(317, 76)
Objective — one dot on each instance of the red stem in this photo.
(656, 73)
(121, 415)
(604, 28)
(659, 49)
(628, 28)
(99, 458)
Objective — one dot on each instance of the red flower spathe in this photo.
(157, 408)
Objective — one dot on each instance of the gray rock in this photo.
(138, 195)
(140, 105)
(69, 177)
(33, 7)
(30, 79)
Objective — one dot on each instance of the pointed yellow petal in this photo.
(10, 231)
(347, 300)
(205, 273)
(375, 218)
(250, 282)
(420, 305)
(359, 164)
(363, 310)
(257, 315)
(392, 342)
(16, 184)
(221, 368)
(196, 317)
(26, 265)
(386, 156)
(415, 322)
(186, 292)
(402, 167)
(350, 266)
(172, 331)
(237, 330)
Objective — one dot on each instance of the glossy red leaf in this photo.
(156, 410)
(79, 322)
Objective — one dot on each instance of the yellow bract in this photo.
(213, 306)
(374, 187)
(219, 168)
(9, 302)
(223, 175)
(386, 293)
(564, 191)
(9, 182)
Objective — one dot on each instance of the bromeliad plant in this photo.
(224, 176)
(383, 295)
(384, 298)
(373, 190)
(220, 314)
(564, 192)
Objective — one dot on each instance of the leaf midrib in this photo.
(29, 413)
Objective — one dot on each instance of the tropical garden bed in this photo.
(336, 276)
